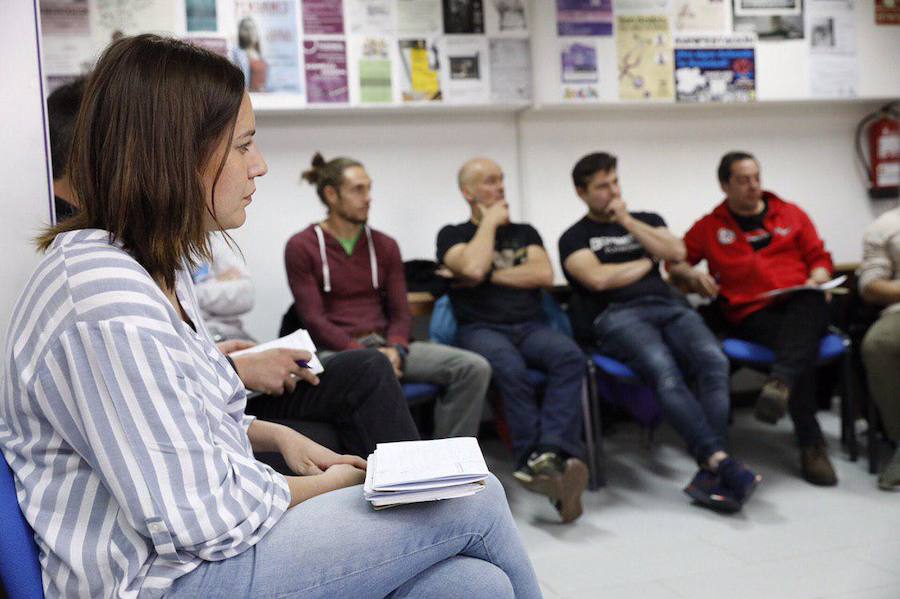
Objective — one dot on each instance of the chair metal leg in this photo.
(848, 409)
(872, 442)
(593, 429)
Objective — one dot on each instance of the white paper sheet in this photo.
(299, 339)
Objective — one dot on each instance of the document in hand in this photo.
(299, 339)
(829, 286)
(413, 471)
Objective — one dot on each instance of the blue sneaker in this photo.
(706, 489)
(738, 478)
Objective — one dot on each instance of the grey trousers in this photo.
(464, 376)
(881, 355)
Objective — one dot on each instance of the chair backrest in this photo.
(442, 327)
(20, 569)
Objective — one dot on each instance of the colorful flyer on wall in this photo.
(214, 43)
(67, 47)
(579, 74)
(715, 68)
(419, 65)
(833, 64)
(418, 17)
(113, 19)
(371, 17)
(201, 15)
(506, 17)
(373, 62)
(700, 15)
(584, 17)
(465, 69)
(769, 19)
(644, 49)
(463, 16)
(267, 48)
(510, 70)
(887, 12)
(323, 16)
(326, 71)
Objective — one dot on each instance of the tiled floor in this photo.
(640, 537)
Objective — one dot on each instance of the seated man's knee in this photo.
(879, 341)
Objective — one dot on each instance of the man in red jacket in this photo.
(753, 243)
(349, 291)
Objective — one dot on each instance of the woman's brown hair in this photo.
(324, 174)
(154, 113)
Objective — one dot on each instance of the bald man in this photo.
(500, 269)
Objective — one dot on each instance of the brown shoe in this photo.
(563, 488)
(816, 466)
(772, 402)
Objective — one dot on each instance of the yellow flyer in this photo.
(644, 45)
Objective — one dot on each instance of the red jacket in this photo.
(742, 273)
(353, 307)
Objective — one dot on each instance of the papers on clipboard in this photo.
(414, 471)
(299, 339)
(829, 286)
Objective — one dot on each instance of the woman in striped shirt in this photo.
(125, 426)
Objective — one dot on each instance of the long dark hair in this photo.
(155, 110)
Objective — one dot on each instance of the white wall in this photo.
(24, 180)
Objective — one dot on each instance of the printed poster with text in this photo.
(201, 15)
(584, 17)
(510, 70)
(267, 48)
(373, 56)
(769, 19)
(326, 71)
(887, 12)
(644, 48)
(579, 75)
(466, 69)
(323, 17)
(700, 15)
(419, 64)
(371, 17)
(67, 46)
(715, 68)
(833, 64)
(506, 17)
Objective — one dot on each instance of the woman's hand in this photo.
(304, 456)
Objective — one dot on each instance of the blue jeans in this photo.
(663, 340)
(513, 348)
(336, 545)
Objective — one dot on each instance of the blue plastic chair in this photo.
(20, 570)
(417, 393)
(622, 387)
(442, 329)
(833, 347)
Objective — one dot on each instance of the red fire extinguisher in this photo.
(882, 130)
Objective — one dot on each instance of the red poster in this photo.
(887, 12)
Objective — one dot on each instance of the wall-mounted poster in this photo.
(213, 43)
(373, 60)
(584, 17)
(267, 49)
(419, 68)
(67, 45)
(833, 65)
(644, 48)
(201, 15)
(326, 71)
(887, 12)
(463, 16)
(506, 17)
(466, 69)
(579, 74)
(418, 17)
(715, 68)
(769, 19)
(510, 69)
(700, 15)
(372, 17)
(323, 16)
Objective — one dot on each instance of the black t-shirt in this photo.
(754, 228)
(612, 244)
(489, 302)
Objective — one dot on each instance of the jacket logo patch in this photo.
(783, 231)
(726, 236)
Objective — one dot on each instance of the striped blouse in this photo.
(125, 429)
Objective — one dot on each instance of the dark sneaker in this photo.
(707, 490)
(739, 479)
(889, 479)
(816, 466)
(562, 482)
(772, 402)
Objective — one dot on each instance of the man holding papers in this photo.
(753, 243)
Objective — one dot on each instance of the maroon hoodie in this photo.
(352, 306)
(742, 273)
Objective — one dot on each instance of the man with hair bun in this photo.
(349, 292)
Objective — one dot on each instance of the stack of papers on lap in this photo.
(414, 471)
(832, 286)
